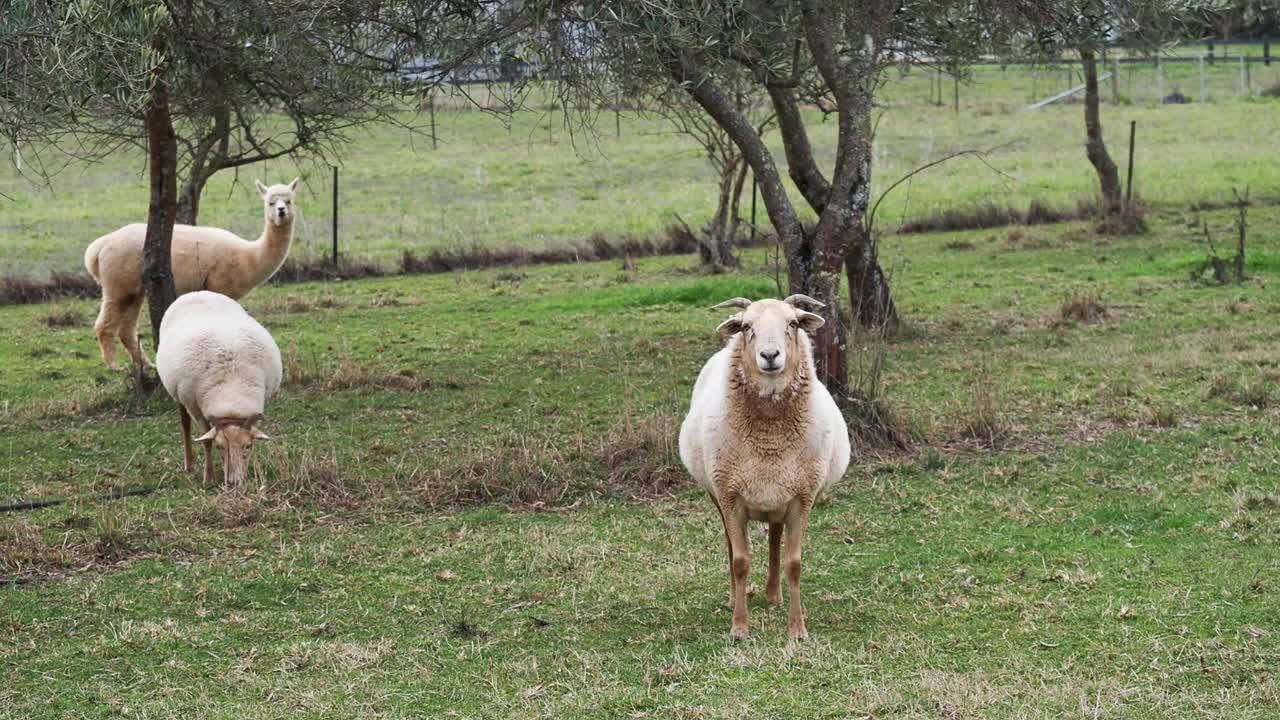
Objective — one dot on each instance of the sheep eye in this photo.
(795, 324)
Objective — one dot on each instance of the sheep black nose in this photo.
(770, 355)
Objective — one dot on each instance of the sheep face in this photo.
(277, 201)
(234, 440)
(771, 347)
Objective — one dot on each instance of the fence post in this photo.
(1115, 81)
(1242, 78)
(957, 92)
(1202, 95)
(753, 207)
(1128, 193)
(335, 216)
(1159, 82)
(431, 100)
(1266, 52)
(1210, 43)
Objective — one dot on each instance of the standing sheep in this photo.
(764, 438)
(204, 258)
(221, 367)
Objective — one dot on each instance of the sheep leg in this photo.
(773, 585)
(105, 330)
(797, 519)
(188, 457)
(129, 333)
(735, 526)
(727, 544)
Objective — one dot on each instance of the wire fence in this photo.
(521, 181)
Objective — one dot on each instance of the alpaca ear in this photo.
(809, 322)
(207, 437)
(293, 186)
(262, 189)
(730, 327)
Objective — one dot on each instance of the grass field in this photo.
(473, 508)
(530, 184)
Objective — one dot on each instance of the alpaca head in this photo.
(234, 439)
(277, 202)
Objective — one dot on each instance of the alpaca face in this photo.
(277, 202)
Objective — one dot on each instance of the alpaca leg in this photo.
(129, 334)
(105, 329)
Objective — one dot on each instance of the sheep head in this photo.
(234, 438)
(772, 346)
(277, 201)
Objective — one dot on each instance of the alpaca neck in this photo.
(272, 248)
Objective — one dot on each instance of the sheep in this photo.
(204, 258)
(764, 438)
(220, 366)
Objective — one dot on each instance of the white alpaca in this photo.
(204, 258)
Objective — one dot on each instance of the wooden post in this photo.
(1243, 84)
(1266, 52)
(431, 104)
(1115, 81)
(1248, 76)
(335, 216)
(957, 92)
(753, 206)
(1128, 193)
(1202, 93)
(1159, 82)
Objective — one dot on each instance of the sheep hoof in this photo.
(799, 634)
(737, 634)
(774, 597)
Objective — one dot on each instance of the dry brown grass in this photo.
(1082, 306)
(348, 374)
(983, 422)
(61, 316)
(636, 459)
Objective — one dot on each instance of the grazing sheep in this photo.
(221, 367)
(764, 438)
(204, 258)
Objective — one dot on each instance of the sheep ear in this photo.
(738, 302)
(804, 302)
(262, 189)
(293, 186)
(730, 327)
(259, 435)
(809, 322)
(207, 437)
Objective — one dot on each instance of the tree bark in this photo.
(157, 271)
(1095, 148)
(188, 209)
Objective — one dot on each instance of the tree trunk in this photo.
(188, 209)
(719, 235)
(1108, 175)
(157, 271)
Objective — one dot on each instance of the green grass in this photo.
(530, 184)
(1112, 554)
